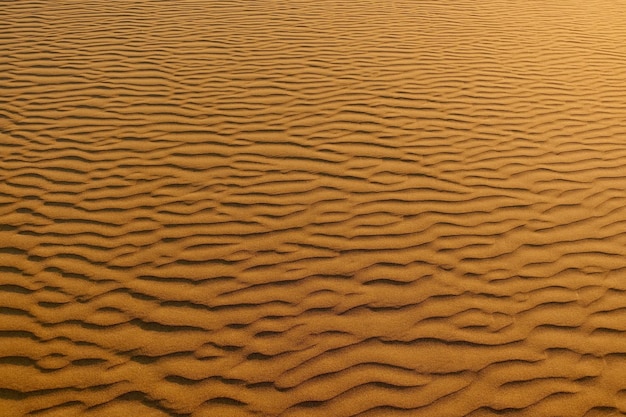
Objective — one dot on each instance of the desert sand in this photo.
(312, 208)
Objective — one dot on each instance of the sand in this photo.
(312, 208)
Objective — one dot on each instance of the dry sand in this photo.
(313, 208)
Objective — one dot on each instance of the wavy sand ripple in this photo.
(312, 208)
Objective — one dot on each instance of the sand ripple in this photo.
(312, 208)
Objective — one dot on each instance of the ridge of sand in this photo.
(312, 208)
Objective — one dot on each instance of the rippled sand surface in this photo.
(312, 208)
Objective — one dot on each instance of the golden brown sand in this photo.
(313, 208)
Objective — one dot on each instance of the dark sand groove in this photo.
(299, 208)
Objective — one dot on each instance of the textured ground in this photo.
(312, 208)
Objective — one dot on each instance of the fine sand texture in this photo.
(215, 208)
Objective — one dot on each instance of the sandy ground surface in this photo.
(312, 208)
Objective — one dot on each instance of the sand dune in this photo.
(312, 208)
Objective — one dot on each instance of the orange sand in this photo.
(312, 208)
